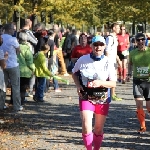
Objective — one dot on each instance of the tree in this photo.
(81, 12)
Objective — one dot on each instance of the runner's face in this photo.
(98, 48)
(117, 29)
(123, 30)
(141, 43)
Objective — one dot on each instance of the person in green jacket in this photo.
(41, 72)
(26, 65)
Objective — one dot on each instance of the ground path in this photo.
(56, 125)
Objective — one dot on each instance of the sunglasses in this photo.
(98, 44)
(138, 40)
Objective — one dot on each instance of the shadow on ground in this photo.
(57, 121)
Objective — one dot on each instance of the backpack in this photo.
(112, 43)
(108, 36)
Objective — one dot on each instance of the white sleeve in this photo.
(15, 42)
(112, 75)
(1, 54)
(109, 43)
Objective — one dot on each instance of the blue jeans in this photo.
(55, 84)
(40, 87)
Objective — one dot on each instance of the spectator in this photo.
(41, 72)
(12, 72)
(2, 82)
(59, 53)
(53, 61)
(40, 34)
(32, 43)
(81, 49)
(31, 38)
(26, 65)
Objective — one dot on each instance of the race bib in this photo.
(125, 53)
(142, 71)
(97, 95)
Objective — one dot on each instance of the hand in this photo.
(80, 90)
(6, 55)
(96, 83)
(121, 43)
(64, 53)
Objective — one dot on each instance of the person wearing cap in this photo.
(139, 62)
(94, 75)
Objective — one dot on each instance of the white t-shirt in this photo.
(111, 47)
(9, 45)
(2, 82)
(89, 68)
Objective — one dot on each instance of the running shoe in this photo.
(37, 100)
(119, 80)
(123, 81)
(5, 107)
(115, 98)
(66, 74)
(141, 130)
(58, 90)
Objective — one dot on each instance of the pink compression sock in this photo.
(88, 139)
(97, 140)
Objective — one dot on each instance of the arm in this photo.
(111, 79)
(18, 50)
(16, 45)
(2, 63)
(31, 38)
(74, 60)
(2, 60)
(29, 60)
(128, 43)
(109, 43)
(75, 77)
(73, 55)
(44, 66)
(107, 84)
(130, 68)
(77, 83)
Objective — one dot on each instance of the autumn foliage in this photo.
(78, 12)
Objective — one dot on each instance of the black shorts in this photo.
(121, 56)
(141, 89)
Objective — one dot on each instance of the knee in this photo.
(139, 107)
(148, 108)
(86, 127)
(139, 104)
(98, 130)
